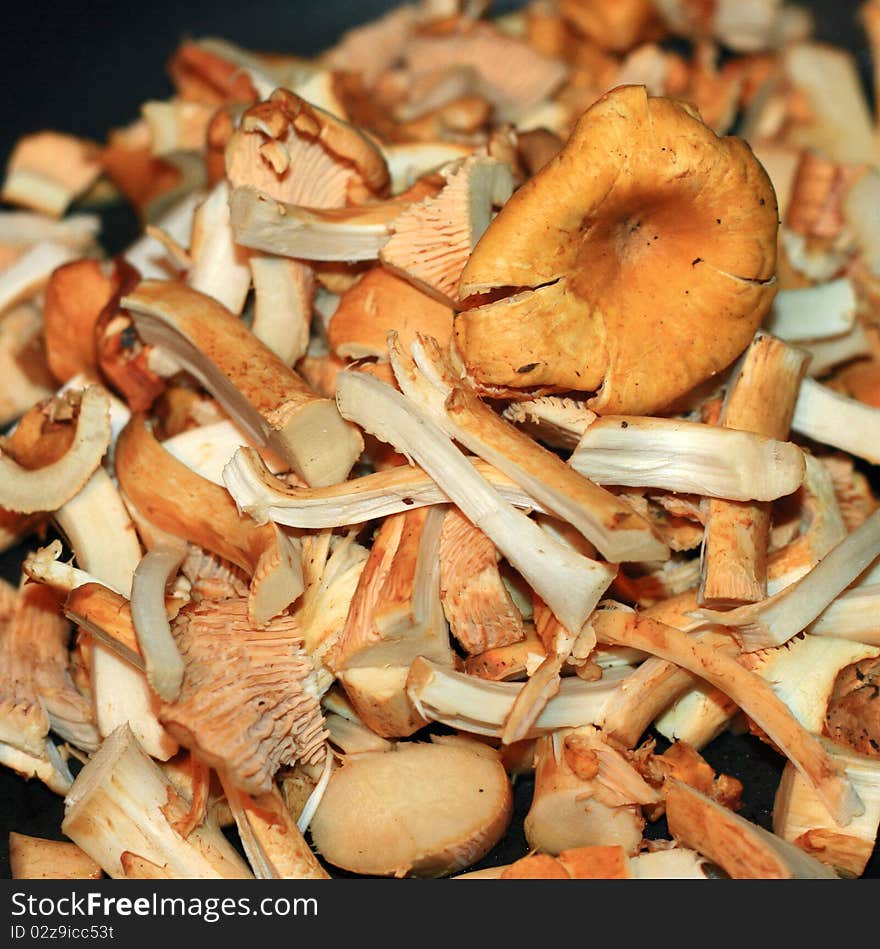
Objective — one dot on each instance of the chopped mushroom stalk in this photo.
(753, 695)
(121, 801)
(688, 456)
(760, 398)
(33, 858)
(283, 297)
(833, 419)
(266, 397)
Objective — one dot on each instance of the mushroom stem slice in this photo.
(50, 487)
(688, 456)
(275, 848)
(742, 849)
(283, 294)
(750, 692)
(827, 309)
(569, 583)
(34, 858)
(760, 398)
(775, 620)
(852, 615)
(833, 419)
(265, 396)
(557, 421)
(121, 801)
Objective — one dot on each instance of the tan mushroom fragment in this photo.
(761, 397)
(25, 374)
(176, 499)
(568, 582)
(557, 421)
(34, 858)
(627, 230)
(266, 397)
(395, 616)
(378, 815)
(122, 802)
(283, 299)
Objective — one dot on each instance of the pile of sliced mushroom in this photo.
(487, 396)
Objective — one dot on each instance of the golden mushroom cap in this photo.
(637, 264)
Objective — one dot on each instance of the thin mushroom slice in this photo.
(742, 849)
(753, 695)
(834, 419)
(680, 455)
(49, 487)
(665, 189)
(267, 398)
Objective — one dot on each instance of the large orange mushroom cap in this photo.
(639, 262)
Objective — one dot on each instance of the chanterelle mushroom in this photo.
(641, 259)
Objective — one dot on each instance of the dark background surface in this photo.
(86, 68)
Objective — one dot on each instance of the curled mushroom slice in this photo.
(179, 501)
(568, 582)
(381, 494)
(679, 455)
(49, 487)
(627, 227)
(742, 849)
(248, 703)
(266, 397)
(748, 690)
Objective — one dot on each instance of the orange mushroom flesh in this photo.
(669, 247)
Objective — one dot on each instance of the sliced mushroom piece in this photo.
(680, 455)
(266, 397)
(121, 801)
(35, 858)
(27, 275)
(851, 716)
(249, 703)
(284, 291)
(827, 309)
(833, 419)
(852, 615)
(571, 585)
(582, 334)
(557, 421)
(24, 369)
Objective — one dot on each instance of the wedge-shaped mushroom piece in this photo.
(753, 695)
(49, 170)
(34, 858)
(481, 707)
(381, 302)
(378, 815)
(177, 500)
(372, 496)
(275, 848)
(800, 817)
(248, 703)
(742, 849)
(609, 523)
(833, 419)
(177, 125)
(760, 398)
(284, 291)
(586, 794)
(508, 663)
(665, 188)
(569, 583)
(775, 620)
(121, 801)
(297, 153)
(24, 369)
(433, 238)
(480, 611)
(266, 397)
(679, 455)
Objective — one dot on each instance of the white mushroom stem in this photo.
(219, 266)
(163, 664)
(833, 419)
(569, 583)
(753, 695)
(105, 544)
(827, 309)
(275, 847)
(50, 487)
(775, 620)
(853, 615)
(121, 801)
(22, 279)
(150, 256)
(371, 497)
(329, 234)
(481, 707)
(557, 421)
(283, 298)
(638, 452)
(21, 334)
(826, 354)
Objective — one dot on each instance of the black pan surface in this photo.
(85, 68)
